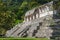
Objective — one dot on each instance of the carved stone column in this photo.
(30, 19)
(27, 19)
(39, 12)
(33, 17)
(47, 8)
(42, 8)
(37, 15)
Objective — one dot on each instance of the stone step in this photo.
(25, 30)
(20, 29)
(31, 30)
(13, 29)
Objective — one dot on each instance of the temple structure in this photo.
(36, 23)
(39, 12)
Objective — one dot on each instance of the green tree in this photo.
(7, 18)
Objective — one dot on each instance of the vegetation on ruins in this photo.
(12, 11)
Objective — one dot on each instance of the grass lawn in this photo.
(23, 39)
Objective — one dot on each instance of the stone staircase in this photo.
(35, 28)
(9, 32)
(19, 30)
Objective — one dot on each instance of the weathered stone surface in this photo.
(38, 27)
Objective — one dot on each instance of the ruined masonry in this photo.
(36, 23)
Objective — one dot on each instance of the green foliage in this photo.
(24, 39)
(57, 4)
